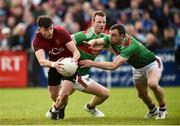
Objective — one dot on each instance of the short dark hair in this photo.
(99, 13)
(119, 27)
(44, 21)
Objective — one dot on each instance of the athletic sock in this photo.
(54, 109)
(162, 108)
(152, 111)
(152, 107)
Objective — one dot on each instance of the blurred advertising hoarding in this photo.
(122, 76)
(13, 69)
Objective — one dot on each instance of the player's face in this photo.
(99, 24)
(46, 32)
(115, 37)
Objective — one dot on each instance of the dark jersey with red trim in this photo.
(138, 56)
(55, 47)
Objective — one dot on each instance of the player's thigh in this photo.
(153, 76)
(154, 72)
(67, 87)
(139, 76)
(96, 89)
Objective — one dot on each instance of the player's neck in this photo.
(95, 32)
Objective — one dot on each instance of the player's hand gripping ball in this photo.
(69, 67)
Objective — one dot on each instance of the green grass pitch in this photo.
(28, 107)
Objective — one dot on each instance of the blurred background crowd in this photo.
(156, 23)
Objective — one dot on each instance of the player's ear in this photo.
(92, 21)
(124, 37)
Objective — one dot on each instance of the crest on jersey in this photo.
(56, 51)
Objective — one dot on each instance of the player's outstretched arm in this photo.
(95, 42)
(104, 65)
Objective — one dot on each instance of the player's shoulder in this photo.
(58, 28)
(81, 33)
(103, 34)
(37, 38)
(37, 41)
(133, 38)
(84, 31)
(61, 31)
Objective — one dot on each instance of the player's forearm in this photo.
(97, 42)
(72, 47)
(76, 54)
(104, 65)
(93, 42)
(46, 63)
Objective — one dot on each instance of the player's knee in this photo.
(153, 84)
(141, 95)
(106, 94)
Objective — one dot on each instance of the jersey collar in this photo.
(126, 41)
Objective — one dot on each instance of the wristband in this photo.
(52, 64)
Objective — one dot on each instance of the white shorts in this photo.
(140, 75)
(82, 82)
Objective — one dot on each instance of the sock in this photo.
(152, 107)
(90, 107)
(54, 109)
(162, 108)
(153, 110)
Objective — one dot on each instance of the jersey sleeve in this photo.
(36, 43)
(79, 37)
(107, 41)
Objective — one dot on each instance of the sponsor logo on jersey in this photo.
(89, 34)
(56, 51)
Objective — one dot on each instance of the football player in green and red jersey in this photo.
(147, 68)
